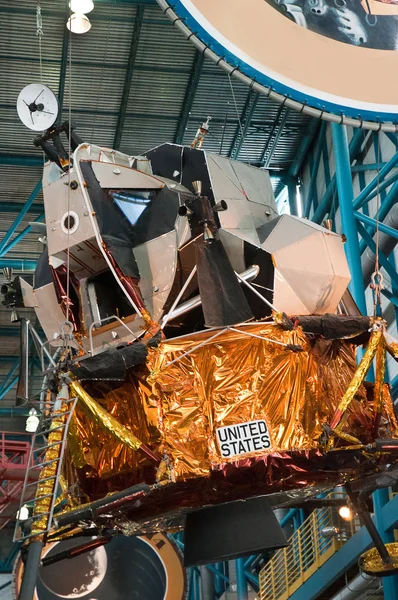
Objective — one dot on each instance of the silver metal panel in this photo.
(234, 247)
(85, 259)
(27, 294)
(256, 183)
(49, 312)
(57, 199)
(115, 176)
(289, 230)
(114, 335)
(157, 262)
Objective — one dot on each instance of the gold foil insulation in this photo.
(95, 449)
(106, 421)
(358, 377)
(372, 564)
(233, 379)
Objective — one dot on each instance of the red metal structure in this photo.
(14, 457)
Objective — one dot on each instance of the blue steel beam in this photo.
(189, 97)
(362, 197)
(380, 500)
(345, 558)
(305, 145)
(20, 217)
(367, 167)
(373, 223)
(20, 236)
(241, 583)
(325, 204)
(139, 16)
(348, 222)
(383, 260)
(16, 207)
(383, 185)
(19, 264)
(21, 160)
(9, 387)
(315, 168)
(281, 124)
(11, 373)
(385, 207)
(10, 330)
(245, 121)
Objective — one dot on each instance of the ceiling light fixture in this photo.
(78, 23)
(81, 6)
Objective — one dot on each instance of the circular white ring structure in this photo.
(69, 222)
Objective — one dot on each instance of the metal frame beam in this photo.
(305, 144)
(18, 264)
(324, 206)
(20, 236)
(16, 207)
(244, 124)
(20, 217)
(193, 82)
(314, 172)
(21, 160)
(139, 16)
(348, 222)
(280, 126)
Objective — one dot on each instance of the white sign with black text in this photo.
(252, 436)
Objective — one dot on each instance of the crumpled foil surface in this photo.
(184, 394)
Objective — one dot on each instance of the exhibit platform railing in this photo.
(311, 545)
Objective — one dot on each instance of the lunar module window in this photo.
(132, 204)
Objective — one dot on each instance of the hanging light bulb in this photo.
(32, 421)
(78, 23)
(345, 512)
(81, 6)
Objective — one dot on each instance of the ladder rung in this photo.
(53, 429)
(49, 446)
(40, 481)
(40, 515)
(42, 497)
(31, 535)
(49, 462)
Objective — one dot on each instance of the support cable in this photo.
(377, 277)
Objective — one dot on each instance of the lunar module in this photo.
(202, 355)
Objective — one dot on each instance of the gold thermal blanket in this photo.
(188, 392)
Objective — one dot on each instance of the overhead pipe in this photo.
(355, 587)
(206, 584)
(386, 242)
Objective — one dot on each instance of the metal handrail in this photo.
(100, 322)
(308, 550)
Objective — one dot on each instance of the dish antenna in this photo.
(37, 107)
